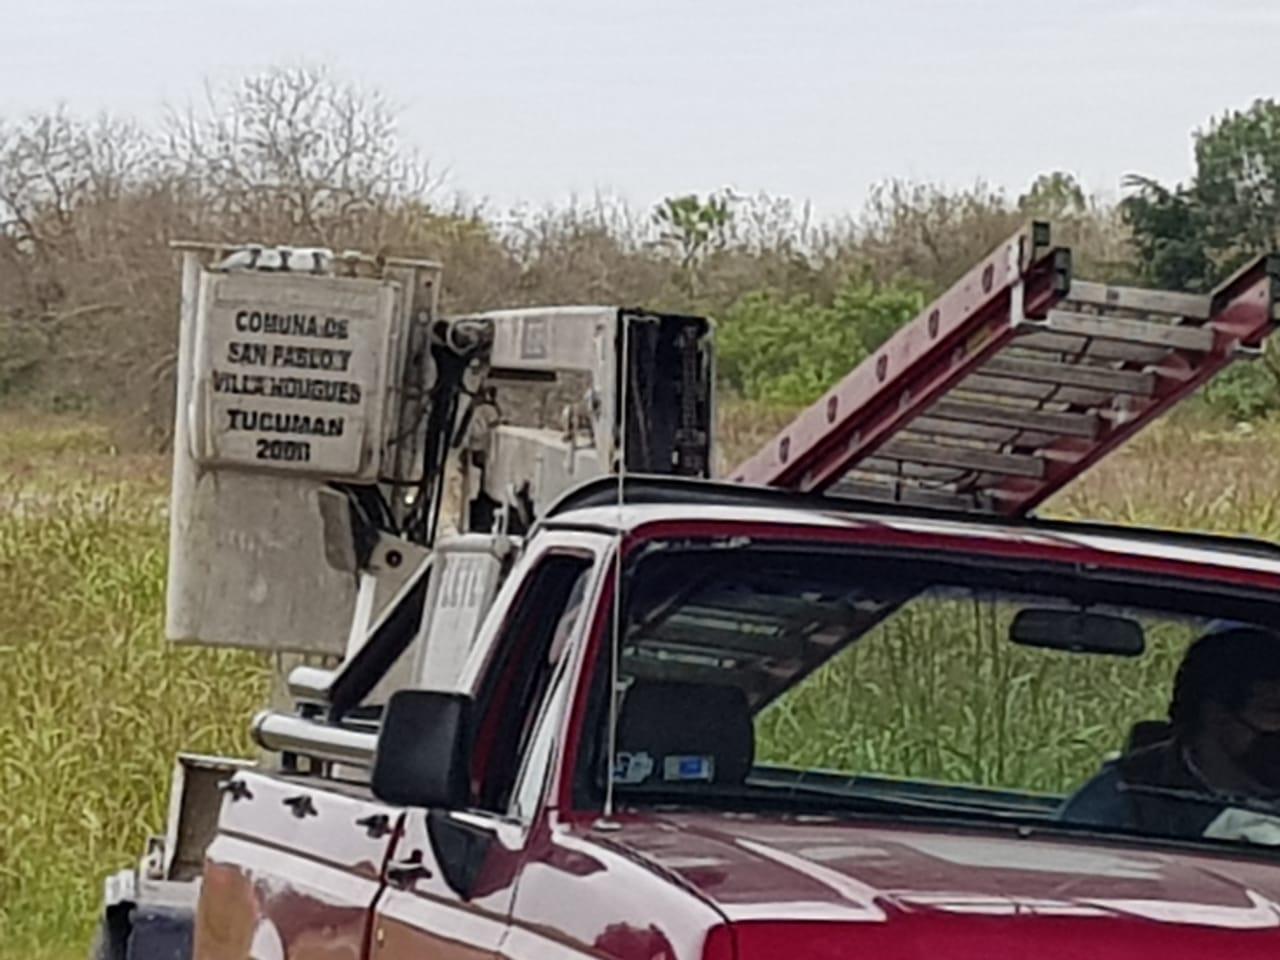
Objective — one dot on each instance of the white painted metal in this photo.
(556, 340)
(291, 373)
(255, 558)
(468, 571)
(541, 462)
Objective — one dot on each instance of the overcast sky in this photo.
(813, 99)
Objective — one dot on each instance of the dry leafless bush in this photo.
(88, 286)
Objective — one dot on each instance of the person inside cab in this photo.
(1216, 770)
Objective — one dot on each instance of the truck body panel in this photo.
(420, 916)
(583, 892)
(659, 885)
(294, 870)
(783, 869)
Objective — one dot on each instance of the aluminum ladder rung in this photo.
(1193, 306)
(1069, 345)
(1071, 375)
(886, 466)
(976, 383)
(896, 490)
(1123, 330)
(929, 428)
(965, 458)
(1005, 415)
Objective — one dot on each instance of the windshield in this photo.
(829, 679)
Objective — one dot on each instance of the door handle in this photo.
(301, 805)
(376, 825)
(235, 789)
(404, 873)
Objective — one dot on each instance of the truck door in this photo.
(292, 873)
(432, 906)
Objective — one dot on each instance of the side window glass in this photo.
(538, 758)
(518, 681)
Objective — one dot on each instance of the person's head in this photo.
(1227, 695)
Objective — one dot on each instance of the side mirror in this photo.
(423, 753)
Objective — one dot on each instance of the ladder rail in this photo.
(1014, 382)
(952, 336)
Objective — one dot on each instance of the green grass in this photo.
(94, 704)
(938, 692)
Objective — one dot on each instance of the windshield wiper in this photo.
(1253, 804)
(813, 799)
(888, 803)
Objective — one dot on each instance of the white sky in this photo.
(813, 99)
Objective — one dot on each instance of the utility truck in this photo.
(548, 689)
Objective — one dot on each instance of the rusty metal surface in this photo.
(195, 799)
(293, 872)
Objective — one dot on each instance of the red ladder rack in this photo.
(1014, 382)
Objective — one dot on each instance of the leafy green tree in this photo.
(693, 228)
(1237, 183)
(1055, 196)
(1191, 235)
(786, 352)
(1169, 235)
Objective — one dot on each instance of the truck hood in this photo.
(818, 888)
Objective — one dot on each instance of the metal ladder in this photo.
(1014, 382)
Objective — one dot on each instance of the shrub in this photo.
(787, 351)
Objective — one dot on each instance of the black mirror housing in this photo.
(424, 750)
(1077, 631)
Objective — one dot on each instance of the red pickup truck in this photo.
(792, 727)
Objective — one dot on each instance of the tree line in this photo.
(89, 287)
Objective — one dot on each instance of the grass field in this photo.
(94, 704)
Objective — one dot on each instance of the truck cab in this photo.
(835, 727)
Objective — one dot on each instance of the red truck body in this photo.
(304, 867)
